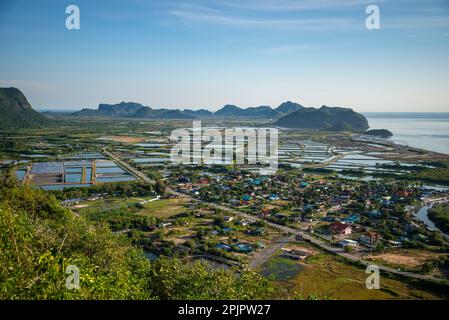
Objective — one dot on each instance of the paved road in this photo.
(325, 163)
(140, 175)
(286, 230)
(264, 255)
(437, 200)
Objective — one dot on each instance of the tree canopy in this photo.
(40, 239)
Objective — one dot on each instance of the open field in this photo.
(123, 139)
(328, 277)
(405, 258)
(164, 208)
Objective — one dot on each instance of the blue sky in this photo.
(207, 53)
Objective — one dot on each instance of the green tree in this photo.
(39, 239)
(159, 187)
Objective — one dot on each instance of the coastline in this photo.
(421, 131)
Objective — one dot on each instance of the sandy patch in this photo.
(80, 206)
(406, 258)
(182, 239)
(124, 139)
(269, 207)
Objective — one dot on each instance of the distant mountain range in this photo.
(136, 110)
(16, 111)
(287, 115)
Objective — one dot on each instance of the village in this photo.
(363, 218)
(324, 203)
(328, 207)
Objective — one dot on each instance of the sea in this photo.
(428, 131)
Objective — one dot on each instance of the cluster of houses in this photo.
(241, 247)
(75, 201)
(356, 210)
(342, 230)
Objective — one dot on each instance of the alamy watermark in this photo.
(73, 280)
(73, 21)
(372, 22)
(373, 280)
(254, 147)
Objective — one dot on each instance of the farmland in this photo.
(371, 189)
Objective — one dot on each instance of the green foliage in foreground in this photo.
(439, 214)
(439, 174)
(39, 239)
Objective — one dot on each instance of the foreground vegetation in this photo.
(439, 214)
(40, 239)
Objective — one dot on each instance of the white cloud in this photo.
(417, 22)
(230, 20)
(285, 49)
(288, 5)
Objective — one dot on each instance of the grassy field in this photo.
(281, 269)
(164, 208)
(326, 276)
(161, 208)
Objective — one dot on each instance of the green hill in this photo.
(381, 133)
(16, 111)
(340, 126)
(324, 118)
(39, 239)
(289, 107)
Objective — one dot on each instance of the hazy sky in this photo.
(207, 53)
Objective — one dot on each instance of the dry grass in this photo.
(164, 208)
(406, 258)
(124, 139)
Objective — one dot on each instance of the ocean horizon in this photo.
(424, 130)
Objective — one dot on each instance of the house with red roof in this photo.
(340, 228)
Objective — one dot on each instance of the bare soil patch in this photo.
(124, 139)
(410, 258)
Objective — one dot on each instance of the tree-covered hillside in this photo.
(40, 239)
(16, 112)
(324, 118)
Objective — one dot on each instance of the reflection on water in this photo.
(422, 215)
(63, 186)
(73, 177)
(428, 131)
(20, 174)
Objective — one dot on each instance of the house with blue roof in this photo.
(273, 197)
(243, 247)
(226, 230)
(223, 246)
(375, 214)
(352, 218)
